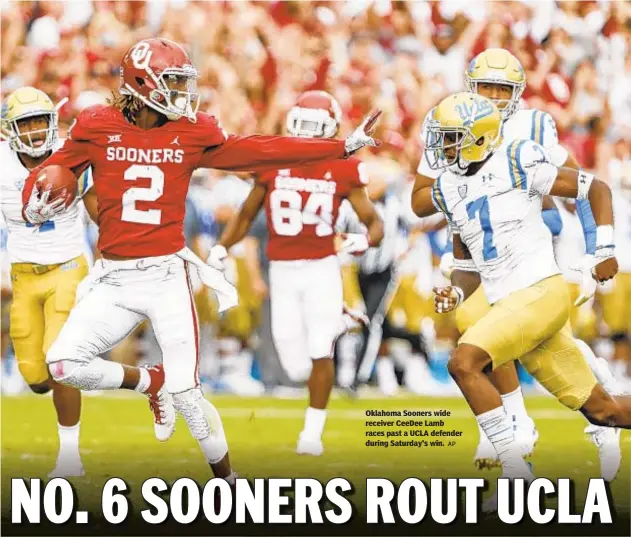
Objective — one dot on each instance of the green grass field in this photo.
(117, 440)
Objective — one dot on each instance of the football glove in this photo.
(447, 298)
(38, 210)
(362, 135)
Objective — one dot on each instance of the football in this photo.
(62, 182)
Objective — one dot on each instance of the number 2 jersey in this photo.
(53, 242)
(141, 177)
(302, 206)
(497, 213)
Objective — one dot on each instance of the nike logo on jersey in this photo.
(114, 138)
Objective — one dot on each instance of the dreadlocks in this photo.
(127, 104)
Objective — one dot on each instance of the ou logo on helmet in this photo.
(141, 55)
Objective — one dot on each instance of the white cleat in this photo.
(526, 435)
(65, 469)
(386, 377)
(164, 414)
(485, 456)
(309, 446)
(607, 440)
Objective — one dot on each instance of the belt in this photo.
(33, 268)
(129, 264)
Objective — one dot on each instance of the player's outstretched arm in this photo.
(365, 210)
(422, 204)
(258, 153)
(580, 185)
(239, 225)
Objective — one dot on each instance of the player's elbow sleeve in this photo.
(552, 219)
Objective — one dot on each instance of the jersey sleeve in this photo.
(258, 153)
(440, 202)
(530, 168)
(84, 182)
(543, 131)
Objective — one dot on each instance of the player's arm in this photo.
(464, 279)
(422, 204)
(72, 155)
(238, 226)
(91, 205)
(545, 178)
(365, 210)
(257, 152)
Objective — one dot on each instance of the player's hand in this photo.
(38, 210)
(447, 264)
(354, 243)
(447, 298)
(362, 135)
(217, 256)
(606, 269)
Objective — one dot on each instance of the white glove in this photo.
(355, 243)
(38, 210)
(216, 257)
(362, 135)
(447, 298)
(588, 282)
(447, 264)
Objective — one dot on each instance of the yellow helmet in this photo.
(24, 103)
(463, 128)
(497, 66)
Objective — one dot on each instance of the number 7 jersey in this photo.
(302, 205)
(497, 213)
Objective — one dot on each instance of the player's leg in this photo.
(322, 310)
(96, 323)
(505, 379)
(513, 327)
(174, 319)
(62, 285)
(568, 369)
(616, 312)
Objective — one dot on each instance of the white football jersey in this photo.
(569, 246)
(524, 124)
(619, 173)
(497, 213)
(55, 241)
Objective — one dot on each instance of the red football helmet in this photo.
(160, 74)
(316, 114)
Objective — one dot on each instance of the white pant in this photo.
(121, 295)
(306, 301)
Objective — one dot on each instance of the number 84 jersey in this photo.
(497, 213)
(302, 205)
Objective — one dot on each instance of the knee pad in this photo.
(204, 422)
(40, 389)
(293, 356)
(97, 374)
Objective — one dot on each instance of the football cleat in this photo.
(68, 468)
(485, 455)
(161, 404)
(526, 435)
(607, 440)
(309, 446)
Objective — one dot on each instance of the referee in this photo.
(376, 270)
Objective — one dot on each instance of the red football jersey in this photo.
(302, 205)
(141, 177)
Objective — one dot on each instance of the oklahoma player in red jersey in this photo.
(143, 149)
(301, 205)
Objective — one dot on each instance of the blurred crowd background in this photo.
(255, 58)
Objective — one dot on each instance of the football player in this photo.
(143, 148)
(498, 75)
(302, 205)
(616, 301)
(47, 261)
(491, 192)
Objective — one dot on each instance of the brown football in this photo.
(62, 182)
